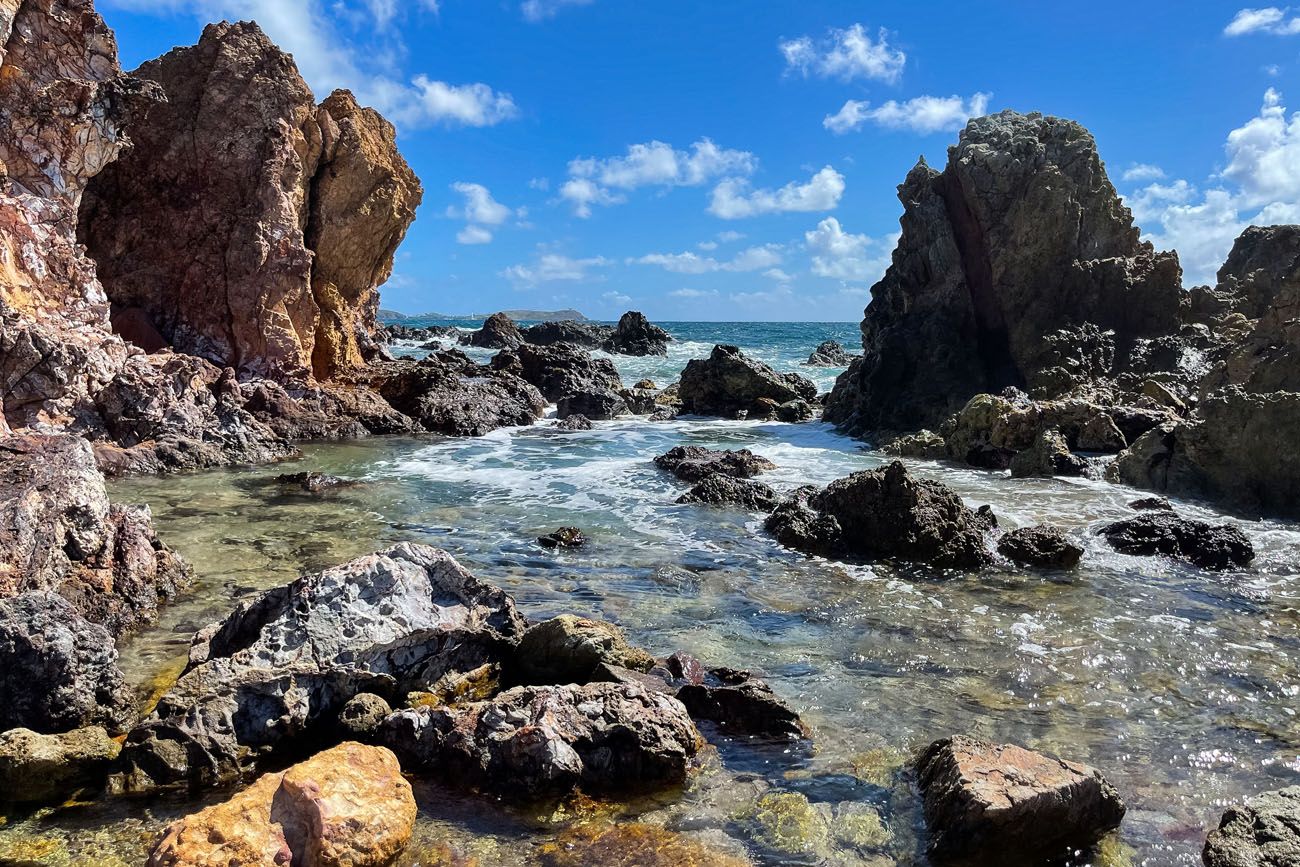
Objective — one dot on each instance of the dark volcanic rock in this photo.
(537, 741)
(585, 334)
(636, 336)
(1048, 456)
(312, 482)
(498, 332)
(1151, 504)
(987, 804)
(696, 463)
(1022, 237)
(1043, 546)
(728, 383)
(717, 489)
(565, 537)
(562, 370)
(57, 671)
(281, 667)
(598, 405)
(829, 353)
(576, 421)
(739, 703)
(1263, 833)
(885, 513)
(1165, 534)
(447, 393)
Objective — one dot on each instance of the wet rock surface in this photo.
(536, 741)
(991, 804)
(498, 332)
(696, 463)
(282, 665)
(346, 807)
(1041, 546)
(634, 335)
(738, 702)
(884, 513)
(569, 649)
(1265, 832)
(312, 482)
(829, 353)
(1048, 456)
(587, 335)
(37, 768)
(561, 370)
(574, 421)
(447, 393)
(717, 489)
(565, 537)
(728, 383)
(1165, 534)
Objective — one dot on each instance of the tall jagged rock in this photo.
(251, 227)
(1013, 261)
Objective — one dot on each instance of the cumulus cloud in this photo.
(1269, 19)
(1143, 172)
(593, 181)
(540, 10)
(474, 235)
(752, 259)
(922, 114)
(693, 293)
(550, 267)
(1260, 185)
(479, 211)
(845, 256)
(733, 199)
(845, 54)
(330, 57)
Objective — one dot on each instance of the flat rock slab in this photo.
(1003, 804)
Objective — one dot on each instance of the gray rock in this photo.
(720, 490)
(738, 702)
(561, 369)
(597, 405)
(447, 393)
(1042, 546)
(924, 444)
(696, 463)
(362, 715)
(728, 383)
(794, 411)
(1265, 832)
(636, 336)
(575, 421)
(829, 353)
(312, 482)
(1048, 456)
(568, 649)
(584, 334)
(565, 537)
(498, 332)
(37, 768)
(1165, 534)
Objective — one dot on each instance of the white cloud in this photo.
(922, 114)
(473, 235)
(480, 207)
(845, 256)
(1269, 19)
(778, 275)
(330, 58)
(542, 184)
(752, 259)
(551, 267)
(1143, 172)
(845, 54)
(592, 181)
(730, 235)
(708, 245)
(732, 199)
(540, 10)
(693, 293)
(617, 298)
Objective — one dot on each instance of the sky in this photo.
(738, 160)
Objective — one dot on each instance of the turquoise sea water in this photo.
(1180, 685)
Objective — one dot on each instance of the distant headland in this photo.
(392, 316)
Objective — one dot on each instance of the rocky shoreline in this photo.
(160, 314)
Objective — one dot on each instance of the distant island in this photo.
(392, 316)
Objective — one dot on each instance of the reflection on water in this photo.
(1181, 685)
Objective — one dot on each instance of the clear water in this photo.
(1180, 685)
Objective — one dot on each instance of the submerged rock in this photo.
(631, 843)
(498, 332)
(636, 336)
(312, 482)
(728, 383)
(829, 353)
(739, 703)
(346, 807)
(696, 463)
(1165, 534)
(717, 489)
(532, 742)
(1265, 832)
(569, 649)
(565, 537)
(281, 667)
(1042, 546)
(37, 768)
(988, 804)
(885, 513)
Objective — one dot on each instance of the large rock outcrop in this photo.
(250, 227)
(1262, 833)
(729, 383)
(1018, 266)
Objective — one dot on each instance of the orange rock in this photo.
(346, 807)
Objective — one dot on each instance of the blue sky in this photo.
(735, 159)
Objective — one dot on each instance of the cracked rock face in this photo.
(1021, 236)
(1263, 833)
(283, 665)
(251, 227)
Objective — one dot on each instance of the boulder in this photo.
(346, 807)
(1101, 434)
(561, 370)
(829, 353)
(251, 226)
(794, 411)
(923, 444)
(312, 482)
(640, 401)
(988, 804)
(1018, 255)
(1048, 456)
(59, 532)
(696, 463)
(37, 768)
(58, 671)
(281, 667)
(569, 649)
(584, 334)
(1264, 832)
(885, 514)
(728, 383)
(575, 421)
(1151, 504)
(717, 489)
(498, 332)
(598, 405)
(565, 537)
(1042, 546)
(449, 394)
(1165, 534)
(544, 741)
(361, 716)
(740, 704)
(634, 335)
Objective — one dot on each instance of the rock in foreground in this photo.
(696, 463)
(345, 807)
(36, 768)
(1043, 546)
(719, 490)
(728, 383)
(1165, 534)
(987, 804)
(1263, 833)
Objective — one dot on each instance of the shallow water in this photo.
(1180, 685)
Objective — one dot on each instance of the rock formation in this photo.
(722, 490)
(728, 383)
(37, 768)
(251, 227)
(696, 463)
(1165, 534)
(1041, 546)
(498, 332)
(829, 353)
(1262, 833)
(1016, 263)
(634, 335)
